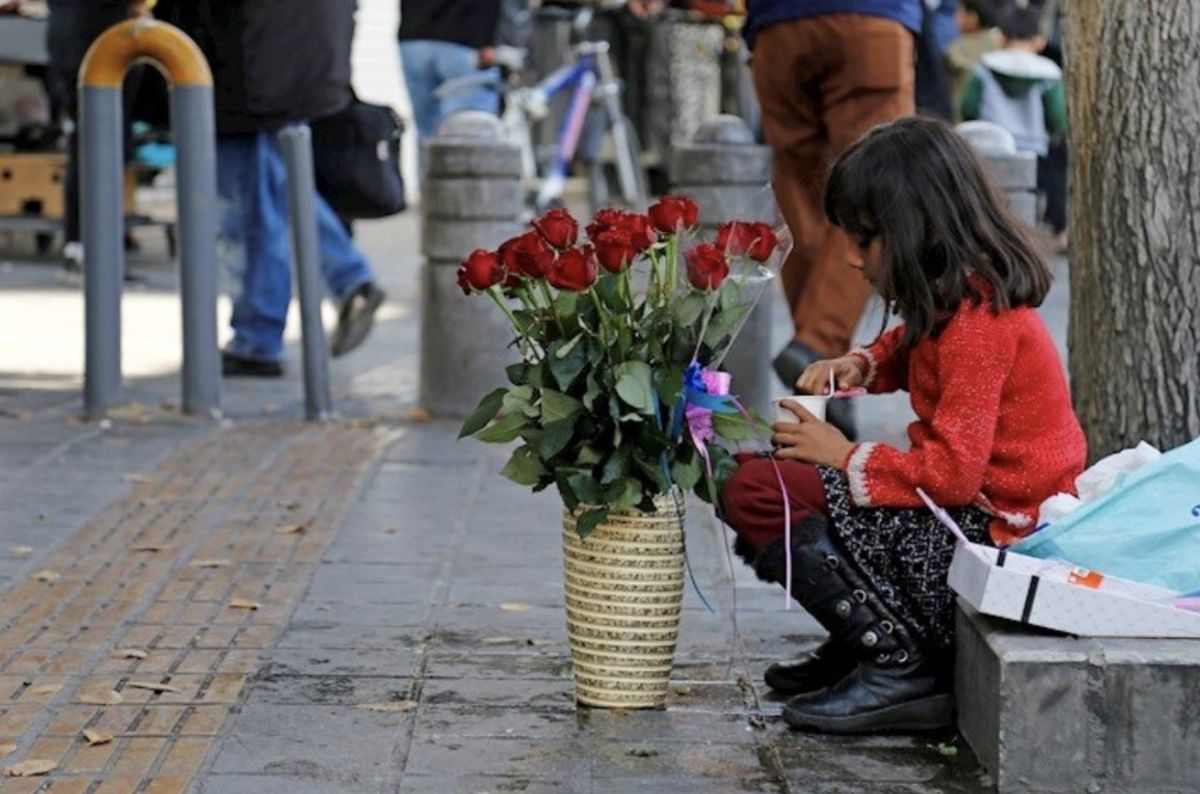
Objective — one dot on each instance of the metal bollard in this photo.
(296, 144)
(729, 176)
(472, 198)
(100, 77)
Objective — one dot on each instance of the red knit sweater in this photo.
(994, 428)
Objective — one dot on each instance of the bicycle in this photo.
(589, 75)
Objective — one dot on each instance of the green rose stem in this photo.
(498, 299)
(710, 303)
(672, 264)
(656, 281)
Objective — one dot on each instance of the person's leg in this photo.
(418, 62)
(871, 84)
(254, 242)
(1052, 178)
(455, 60)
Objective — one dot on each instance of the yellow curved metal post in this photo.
(122, 45)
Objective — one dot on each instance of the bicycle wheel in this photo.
(606, 185)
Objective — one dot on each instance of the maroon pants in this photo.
(754, 506)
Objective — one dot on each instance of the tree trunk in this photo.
(1133, 87)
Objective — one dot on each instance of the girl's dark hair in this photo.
(917, 186)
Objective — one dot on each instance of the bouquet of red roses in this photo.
(617, 389)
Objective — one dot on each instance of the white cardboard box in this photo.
(1056, 595)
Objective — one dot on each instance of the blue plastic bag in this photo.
(1146, 529)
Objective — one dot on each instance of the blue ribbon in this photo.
(695, 392)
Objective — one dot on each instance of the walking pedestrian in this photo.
(824, 73)
(995, 435)
(273, 67)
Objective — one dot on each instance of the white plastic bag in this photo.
(1101, 478)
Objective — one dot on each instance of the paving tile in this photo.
(552, 759)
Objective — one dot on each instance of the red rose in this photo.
(574, 270)
(528, 255)
(603, 221)
(480, 271)
(558, 228)
(671, 212)
(735, 237)
(615, 249)
(763, 243)
(706, 266)
(641, 231)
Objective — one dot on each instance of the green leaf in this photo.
(723, 324)
(523, 467)
(566, 366)
(486, 412)
(518, 374)
(580, 483)
(654, 472)
(687, 474)
(589, 456)
(616, 467)
(566, 305)
(735, 427)
(504, 429)
(519, 400)
(635, 385)
(689, 308)
(670, 384)
(594, 390)
(587, 522)
(556, 406)
(556, 436)
(623, 494)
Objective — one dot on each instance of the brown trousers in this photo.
(822, 82)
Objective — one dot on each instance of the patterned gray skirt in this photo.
(905, 554)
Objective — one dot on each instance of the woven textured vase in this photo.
(624, 589)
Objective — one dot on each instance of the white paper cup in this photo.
(813, 403)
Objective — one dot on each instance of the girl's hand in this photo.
(809, 439)
(848, 372)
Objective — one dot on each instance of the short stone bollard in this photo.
(471, 198)
(729, 176)
(1016, 175)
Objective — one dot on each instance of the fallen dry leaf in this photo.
(391, 706)
(290, 529)
(20, 551)
(45, 689)
(129, 653)
(514, 606)
(210, 563)
(31, 767)
(47, 575)
(420, 415)
(150, 548)
(153, 686)
(95, 737)
(363, 424)
(109, 698)
(7, 747)
(390, 530)
(499, 640)
(242, 603)
(137, 479)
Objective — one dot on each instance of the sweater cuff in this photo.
(865, 355)
(856, 473)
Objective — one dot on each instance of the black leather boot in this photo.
(894, 687)
(820, 668)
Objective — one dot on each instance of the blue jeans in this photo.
(428, 64)
(254, 243)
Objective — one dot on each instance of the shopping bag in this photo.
(1146, 529)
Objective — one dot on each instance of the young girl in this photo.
(995, 435)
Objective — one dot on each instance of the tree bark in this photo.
(1133, 88)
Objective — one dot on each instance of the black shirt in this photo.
(468, 22)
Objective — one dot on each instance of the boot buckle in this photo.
(870, 639)
(842, 608)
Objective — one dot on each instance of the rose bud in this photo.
(558, 228)
(574, 270)
(763, 244)
(530, 255)
(671, 212)
(735, 237)
(480, 271)
(706, 266)
(615, 250)
(641, 231)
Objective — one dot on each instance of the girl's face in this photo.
(864, 256)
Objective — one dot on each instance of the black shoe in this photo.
(234, 366)
(790, 364)
(816, 670)
(355, 318)
(908, 697)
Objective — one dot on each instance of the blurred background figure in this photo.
(443, 40)
(1020, 90)
(824, 74)
(273, 67)
(978, 21)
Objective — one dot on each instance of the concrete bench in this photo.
(1046, 712)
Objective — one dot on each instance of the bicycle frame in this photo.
(582, 77)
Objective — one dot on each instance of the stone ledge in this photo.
(1047, 712)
